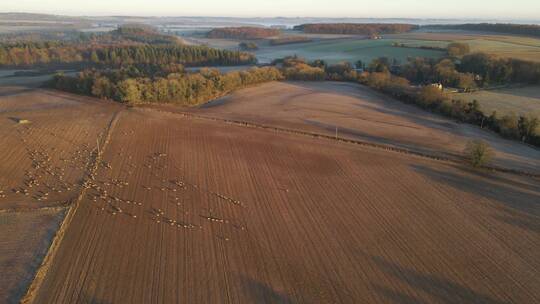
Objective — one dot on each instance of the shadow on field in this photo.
(438, 289)
(91, 299)
(4, 92)
(14, 119)
(527, 92)
(345, 88)
(521, 200)
(377, 102)
(417, 118)
(260, 292)
(216, 103)
(14, 284)
(358, 135)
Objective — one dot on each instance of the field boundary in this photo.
(341, 139)
(34, 287)
(64, 205)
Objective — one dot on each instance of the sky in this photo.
(494, 9)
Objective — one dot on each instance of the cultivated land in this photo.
(521, 100)
(362, 114)
(180, 208)
(336, 48)
(526, 48)
(42, 165)
(195, 211)
(24, 240)
(351, 50)
(43, 162)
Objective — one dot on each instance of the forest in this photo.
(474, 70)
(124, 34)
(67, 54)
(356, 28)
(506, 28)
(244, 32)
(133, 86)
(135, 33)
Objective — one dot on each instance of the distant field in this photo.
(518, 100)
(336, 48)
(501, 45)
(334, 51)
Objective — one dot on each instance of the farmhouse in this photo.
(437, 85)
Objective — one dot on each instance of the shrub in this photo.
(478, 152)
(431, 97)
(528, 126)
(248, 46)
(509, 126)
(458, 49)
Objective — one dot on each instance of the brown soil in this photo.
(43, 162)
(181, 209)
(42, 165)
(24, 240)
(204, 212)
(362, 114)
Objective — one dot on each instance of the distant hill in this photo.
(39, 17)
(356, 28)
(244, 32)
(125, 34)
(506, 28)
(138, 33)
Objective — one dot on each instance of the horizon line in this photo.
(268, 17)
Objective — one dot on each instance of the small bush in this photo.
(478, 152)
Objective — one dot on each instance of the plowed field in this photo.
(196, 211)
(359, 113)
(48, 143)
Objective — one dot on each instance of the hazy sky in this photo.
(499, 9)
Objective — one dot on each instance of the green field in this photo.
(336, 48)
(351, 50)
(525, 48)
(525, 100)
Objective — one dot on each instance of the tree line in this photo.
(244, 32)
(470, 71)
(424, 71)
(356, 28)
(494, 70)
(412, 83)
(125, 34)
(134, 33)
(507, 28)
(133, 86)
(49, 53)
